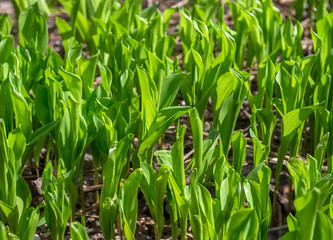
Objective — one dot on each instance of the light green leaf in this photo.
(32, 25)
(78, 231)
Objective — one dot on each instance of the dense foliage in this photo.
(49, 101)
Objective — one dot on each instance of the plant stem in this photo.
(30, 162)
(120, 224)
(72, 216)
(48, 151)
(96, 180)
(150, 155)
(274, 213)
(156, 231)
(161, 142)
(82, 194)
(290, 195)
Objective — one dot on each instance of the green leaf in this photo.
(6, 209)
(175, 159)
(289, 126)
(177, 153)
(176, 185)
(57, 209)
(78, 231)
(106, 76)
(129, 202)
(28, 224)
(165, 117)
(39, 134)
(209, 147)
(313, 170)
(153, 187)
(73, 84)
(167, 14)
(148, 106)
(260, 151)
(306, 211)
(325, 187)
(291, 90)
(320, 151)
(208, 84)
(6, 24)
(33, 27)
(243, 223)
(116, 161)
(6, 111)
(108, 216)
(291, 40)
(227, 54)
(238, 150)
(7, 176)
(292, 223)
(112, 172)
(3, 232)
(266, 120)
(83, 25)
(297, 170)
(74, 54)
(229, 194)
(321, 94)
(23, 195)
(42, 105)
(156, 70)
(6, 48)
(201, 214)
(46, 177)
(65, 32)
(264, 210)
(169, 89)
(162, 181)
(228, 104)
(17, 142)
(324, 226)
(87, 70)
(21, 109)
(194, 83)
(187, 32)
(197, 132)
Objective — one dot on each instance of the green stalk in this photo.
(150, 155)
(82, 194)
(56, 158)
(290, 194)
(120, 229)
(96, 179)
(48, 151)
(330, 164)
(274, 213)
(161, 142)
(72, 217)
(113, 235)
